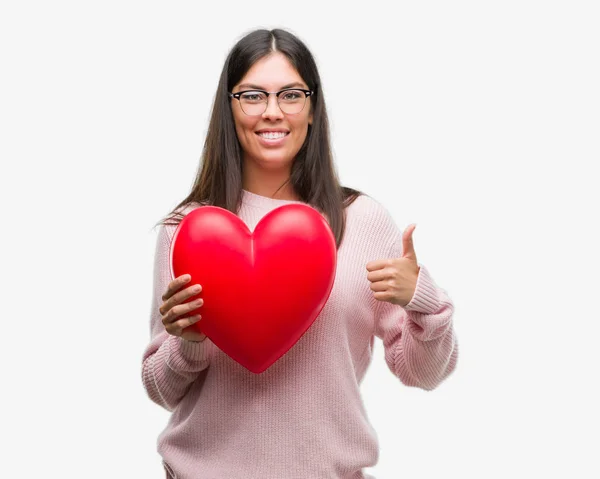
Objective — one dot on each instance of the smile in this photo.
(272, 135)
(272, 138)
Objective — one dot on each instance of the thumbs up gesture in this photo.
(395, 279)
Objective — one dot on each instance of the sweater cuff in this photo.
(426, 314)
(426, 298)
(187, 355)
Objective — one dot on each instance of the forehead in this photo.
(271, 73)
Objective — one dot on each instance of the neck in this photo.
(270, 184)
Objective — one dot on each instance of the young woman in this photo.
(268, 145)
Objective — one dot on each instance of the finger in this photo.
(176, 311)
(182, 324)
(408, 247)
(377, 264)
(175, 286)
(379, 286)
(180, 297)
(383, 296)
(379, 275)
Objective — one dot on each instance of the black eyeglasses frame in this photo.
(237, 95)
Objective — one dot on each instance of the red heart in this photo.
(261, 290)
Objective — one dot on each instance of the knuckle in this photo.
(172, 329)
(167, 325)
(177, 328)
(167, 294)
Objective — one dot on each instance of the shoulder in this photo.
(368, 215)
(186, 209)
(367, 208)
(169, 226)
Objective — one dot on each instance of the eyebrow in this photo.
(289, 85)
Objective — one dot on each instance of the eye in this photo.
(292, 95)
(253, 97)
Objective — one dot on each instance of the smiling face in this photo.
(268, 151)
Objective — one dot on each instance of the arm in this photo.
(170, 364)
(419, 341)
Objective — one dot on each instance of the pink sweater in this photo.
(303, 418)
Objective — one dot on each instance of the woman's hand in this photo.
(171, 309)
(395, 279)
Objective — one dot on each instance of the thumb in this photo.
(408, 247)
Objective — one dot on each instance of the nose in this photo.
(272, 110)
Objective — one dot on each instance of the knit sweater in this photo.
(302, 418)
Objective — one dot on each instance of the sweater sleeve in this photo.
(420, 345)
(170, 364)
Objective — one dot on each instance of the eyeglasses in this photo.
(254, 102)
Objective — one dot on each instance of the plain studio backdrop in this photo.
(476, 120)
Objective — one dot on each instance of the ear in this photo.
(310, 117)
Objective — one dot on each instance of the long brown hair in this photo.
(313, 175)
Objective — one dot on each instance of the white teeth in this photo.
(273, 135)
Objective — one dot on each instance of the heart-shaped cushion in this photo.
(262, 290)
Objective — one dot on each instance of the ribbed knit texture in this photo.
(303, 418)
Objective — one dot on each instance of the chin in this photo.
(275, 159)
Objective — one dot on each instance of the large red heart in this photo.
(262, 290)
